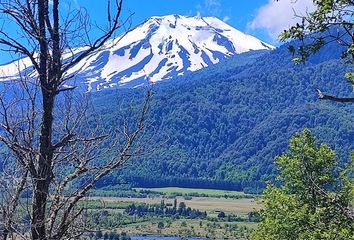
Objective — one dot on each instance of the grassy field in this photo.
(210, 204)
(188, 227)
(189, 191)
(109, 213)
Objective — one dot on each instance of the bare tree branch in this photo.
(47, 127)
(323, 96)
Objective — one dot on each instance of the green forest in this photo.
(181, 127)
(225, 125)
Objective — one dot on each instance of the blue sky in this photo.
(261, 18)
(238, 13)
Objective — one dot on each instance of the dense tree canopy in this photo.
(225, 124)
(331, 21)
(315, 199)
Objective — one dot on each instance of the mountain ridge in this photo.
(162, 47)
(229, 121)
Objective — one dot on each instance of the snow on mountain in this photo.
(158, 49)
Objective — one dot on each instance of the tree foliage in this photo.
(315, 198)
(162, 210)
(331, 21)
(226, 124)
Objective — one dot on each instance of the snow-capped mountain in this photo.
(158, 49)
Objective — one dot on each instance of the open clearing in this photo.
(196, 228)
(209, 204)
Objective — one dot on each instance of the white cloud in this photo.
(226, 19)
(211, 8)
(199, 14)
(275, 16)
(212, 3)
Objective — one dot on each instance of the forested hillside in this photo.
(226, 123)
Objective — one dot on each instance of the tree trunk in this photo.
(42, 181)
(44, 178)
(41, 25)
(5, 233)
(40, 193)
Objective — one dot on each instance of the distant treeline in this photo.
(228, 122)
(165, 210)
(149, 182)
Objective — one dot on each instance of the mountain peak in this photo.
(163, 47)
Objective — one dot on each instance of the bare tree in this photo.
(47, 129)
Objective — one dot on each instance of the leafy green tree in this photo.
(221, 215)
(161, 225)
(253, 216)
(124, 236)
(99, 234)
(315, 198)
(331, 21)
(105, 236)
(91, 235)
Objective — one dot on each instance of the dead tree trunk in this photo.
(27, 128)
